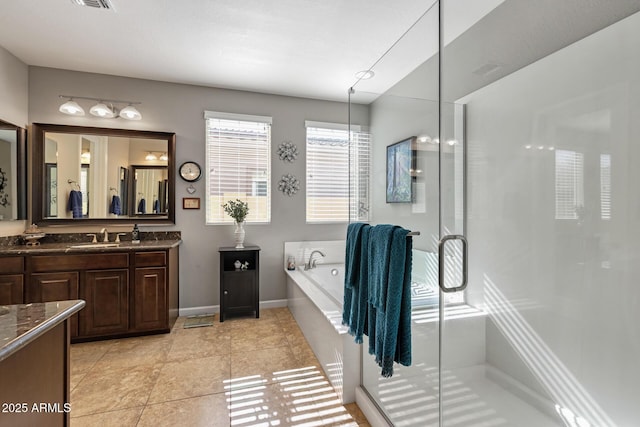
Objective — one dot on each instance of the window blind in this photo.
(336, 192)
(569, 184)
(238, 160)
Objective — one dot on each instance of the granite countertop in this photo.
(23, 323)
(84, 247)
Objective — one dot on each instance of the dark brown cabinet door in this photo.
(106, 293)
(45, 287)
(11, 289)
(150, 299)
(239, 291)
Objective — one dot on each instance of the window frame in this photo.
(354, 135)
(224, 219)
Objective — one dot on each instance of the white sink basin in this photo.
(94, 245)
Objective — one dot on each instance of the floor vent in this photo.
(98, 4)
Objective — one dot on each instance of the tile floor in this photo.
(244, 372)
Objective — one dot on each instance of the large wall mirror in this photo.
(13, 171)
(84, 174)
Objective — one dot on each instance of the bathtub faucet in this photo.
(312, 262)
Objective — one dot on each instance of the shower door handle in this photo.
(441, 246)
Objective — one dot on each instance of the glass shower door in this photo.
(546, 118)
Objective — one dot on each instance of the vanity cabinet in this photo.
(59, 286)
(150, 297)
(106, 293)
(239, 287)
(12, 280)
(126, 293)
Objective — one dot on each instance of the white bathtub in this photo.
(315, 300)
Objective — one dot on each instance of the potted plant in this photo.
(238, 210)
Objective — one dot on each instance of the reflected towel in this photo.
(142, 206)
(75, 203)
(390, 324)
(354, 307)
(156, 206)
(116, 205)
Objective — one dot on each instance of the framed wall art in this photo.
(401, 162)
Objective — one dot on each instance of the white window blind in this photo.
(238, 163)
(335, 192)
(569, 184)
(605, 186)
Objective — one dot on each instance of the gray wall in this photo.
(13, 109)
(179, 108)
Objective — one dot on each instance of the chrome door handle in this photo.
(441, 246)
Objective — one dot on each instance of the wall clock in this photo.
(190, 171)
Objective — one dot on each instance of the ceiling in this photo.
(305, 48)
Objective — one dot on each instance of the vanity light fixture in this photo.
(151, 156)
(71, 108)
(164, 157)
(130, 113)
(104, 108)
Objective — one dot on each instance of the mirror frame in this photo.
(21, 169)
(38, 131)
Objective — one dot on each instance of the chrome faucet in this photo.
(105, 233)
(312, 262)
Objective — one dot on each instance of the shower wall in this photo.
(553, 223)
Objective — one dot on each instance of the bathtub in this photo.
(315, 300)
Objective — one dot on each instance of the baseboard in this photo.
(274, 303)
(212, 309)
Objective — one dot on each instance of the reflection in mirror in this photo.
(90, 174)
(12, 172)
(150, 195)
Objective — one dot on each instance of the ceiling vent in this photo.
(97, 4)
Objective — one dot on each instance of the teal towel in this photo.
(358, 293)
(380, 254)
(389, 325)
(352, 259)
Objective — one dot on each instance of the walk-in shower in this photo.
(525, 121)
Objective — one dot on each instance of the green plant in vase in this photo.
(238, 210)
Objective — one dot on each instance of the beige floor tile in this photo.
(261, 336)
(355, 412)
(136, 351)
(85, 355)
(210, 411)
(261, 364)
(196, 343)
(191, 378)
(120, 418)
(111, 388)
(76, 378)
(248, 322)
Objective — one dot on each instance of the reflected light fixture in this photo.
(71, 108)
(104, 108)
(85, 156)
(151, 156)
(164, 157)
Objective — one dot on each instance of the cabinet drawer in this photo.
(151, 259)
(78, 262)
(11, 264)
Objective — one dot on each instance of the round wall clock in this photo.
(190, 171)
